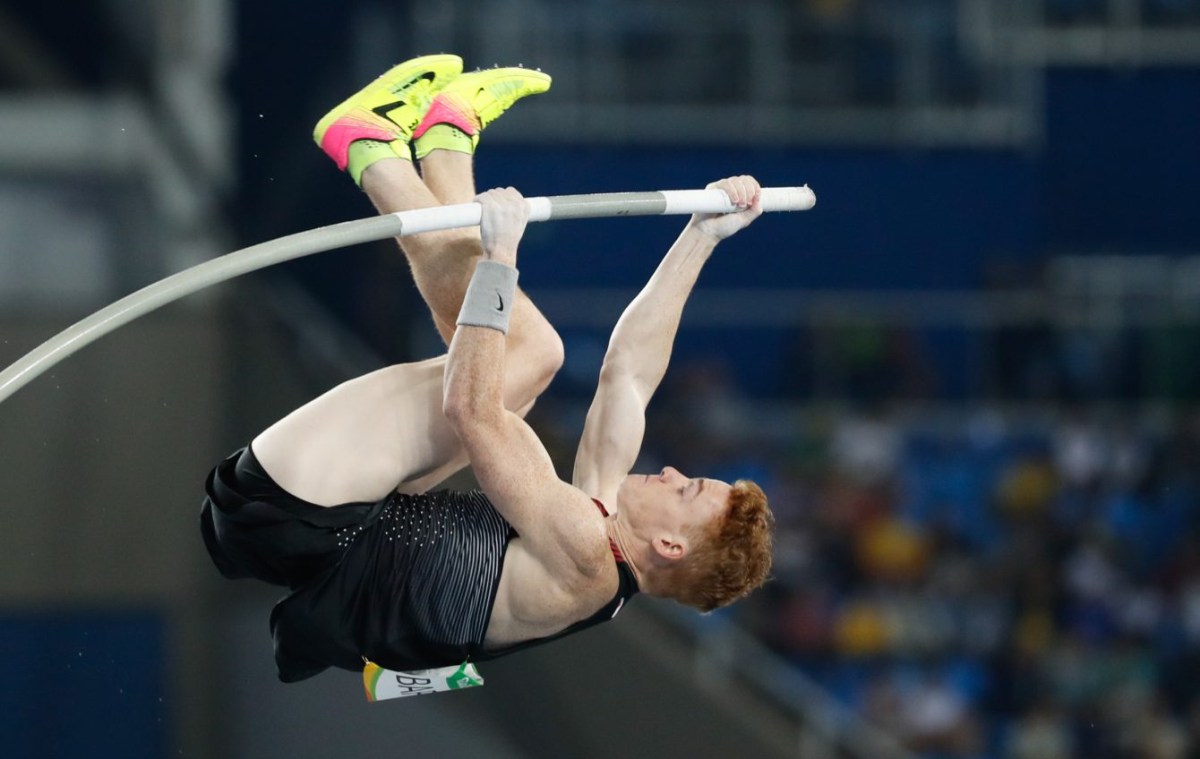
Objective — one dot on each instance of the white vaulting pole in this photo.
(349, 233)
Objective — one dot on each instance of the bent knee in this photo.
(532, 366)
(548, 355)
(555, 352)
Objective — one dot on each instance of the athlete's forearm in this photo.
(640, 347)
(473, 389)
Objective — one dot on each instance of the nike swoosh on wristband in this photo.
(500, 298)
(384, 109)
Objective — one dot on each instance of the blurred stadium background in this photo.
(968, 378)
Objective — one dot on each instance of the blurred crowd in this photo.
(1018, 583)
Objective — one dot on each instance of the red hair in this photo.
(728, 558)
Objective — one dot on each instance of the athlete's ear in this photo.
(670, 548)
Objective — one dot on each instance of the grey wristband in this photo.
(490, 297)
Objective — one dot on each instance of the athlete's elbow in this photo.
(457, 408)
(620, 370)
(459, 402)
(629, 358)
(618, 362)
(467, 409)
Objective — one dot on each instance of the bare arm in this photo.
(640, 347)
(555, 520)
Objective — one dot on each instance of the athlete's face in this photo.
(672, 502)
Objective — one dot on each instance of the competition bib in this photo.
(382, 684)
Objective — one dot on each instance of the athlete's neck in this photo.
(626, 543)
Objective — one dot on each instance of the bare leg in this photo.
(442, 262)
(386, 430)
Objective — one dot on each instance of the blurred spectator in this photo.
(1043, 732)
(801, 622)
(1153, 733)
(1080, 453)
(866, 449)
(936, 719)
(1026, 488)
(860, 629)
(892, 551)
(997, 585)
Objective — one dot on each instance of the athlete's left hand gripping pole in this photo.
(349, 233)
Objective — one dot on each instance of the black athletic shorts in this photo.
(254, 528)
